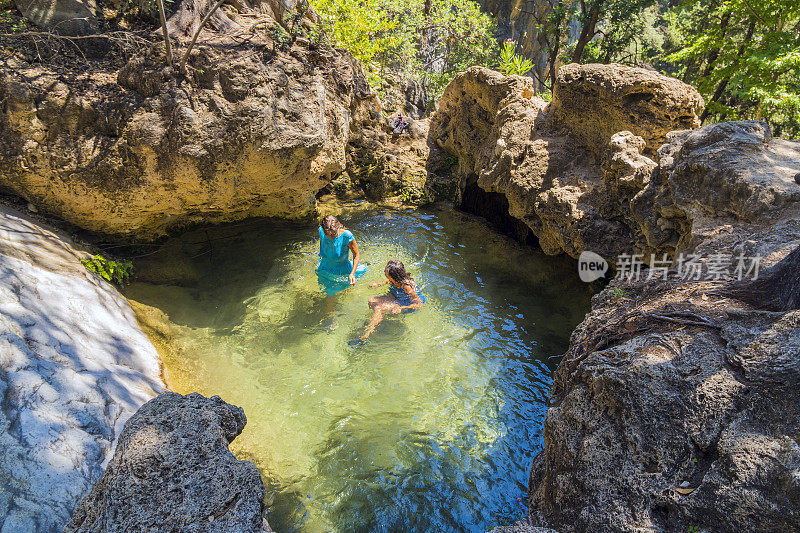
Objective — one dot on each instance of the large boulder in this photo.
(65, 17)
(668, 426)
(74, 366)
(172, 470)
(734, 169)
(136, 150)
(508, 141)
(731, 172)
(597, 101)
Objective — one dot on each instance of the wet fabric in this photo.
(334, 265)
(403, 298)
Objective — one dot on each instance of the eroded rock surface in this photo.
(65, 17)
(135, 149)
(74, 366)
(172, 469)
(676, 406)
(662, 426)
(596, 101)
(508, 141)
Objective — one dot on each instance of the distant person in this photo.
(404, 296)
(335, 271)
(398, 124)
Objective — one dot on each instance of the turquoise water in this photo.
(433, 424)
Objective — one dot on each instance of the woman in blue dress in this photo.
(404, 296)
(335, 271)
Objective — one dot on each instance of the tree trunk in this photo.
(553, 59)
(723, 84)
(776, 289)
(163, 17)
(587, 32)
(714, 53)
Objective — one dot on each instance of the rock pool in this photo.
(429, 427)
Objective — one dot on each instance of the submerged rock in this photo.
(74, 366)
(172, 470)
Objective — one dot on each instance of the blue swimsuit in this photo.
(402, 296)
(334, 262)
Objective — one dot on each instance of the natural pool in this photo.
(433, 424)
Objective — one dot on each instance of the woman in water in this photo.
(404, 296)
(335, 271)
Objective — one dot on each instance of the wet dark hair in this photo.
(397, 271)
(331, 224)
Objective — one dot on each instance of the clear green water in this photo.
(429, 427)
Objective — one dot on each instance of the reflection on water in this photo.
(429, 427)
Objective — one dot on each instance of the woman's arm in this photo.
(356, 258)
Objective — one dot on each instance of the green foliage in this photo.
(618, 292)
(511, 63)
(363, 28)
(113, 271)
(280, 37)
(11, 20)
(401, 36)
(743, 56)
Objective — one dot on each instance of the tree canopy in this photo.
(742, 55)
(432, 39)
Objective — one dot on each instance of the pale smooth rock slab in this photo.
(74, 366)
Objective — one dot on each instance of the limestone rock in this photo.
(135, 152)
(734, 169)
(65, 17)
(508, 141)
(666, 427)
(74, 365)
(597, 101)
(611, 194)
(172, 470)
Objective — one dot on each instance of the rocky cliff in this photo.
(74, 366)
(126, 145)
(676, 406)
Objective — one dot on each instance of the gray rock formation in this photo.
(172, 471)
(65, 17)
(74, 365)
(663, 426)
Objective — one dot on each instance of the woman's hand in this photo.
(352, 279)
(376, 284)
